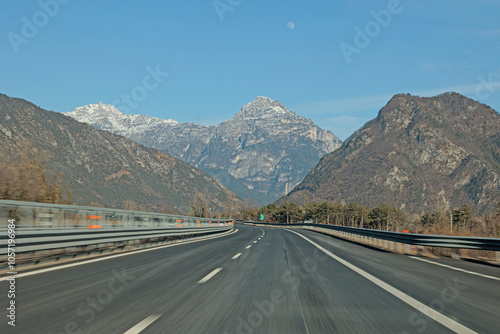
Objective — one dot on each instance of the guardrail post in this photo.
(497, 256)
(407, 249)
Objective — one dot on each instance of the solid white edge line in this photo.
(143, 324)
(457, 269)
(430, 312)
(111, 257)
(236, 256)
(209, 276)
(247, 247)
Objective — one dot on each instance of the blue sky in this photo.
(336, 62)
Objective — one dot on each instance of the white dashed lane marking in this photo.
(143, 324)
(209, 276)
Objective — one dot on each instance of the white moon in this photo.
(290, 25)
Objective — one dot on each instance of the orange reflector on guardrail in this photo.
(406, 231)
(93, 217)
(197, 221)
(179, 220)
(93, 226)
(179, 225)
(197, 225)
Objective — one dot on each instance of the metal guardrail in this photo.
(34, 240)
(44, 227)
(491, 244)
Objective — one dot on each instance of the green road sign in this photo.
(261, 217)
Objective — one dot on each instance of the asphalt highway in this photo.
(259, 280)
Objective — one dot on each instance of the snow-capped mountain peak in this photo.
(90, 111)
(108, 117)
(264, 108)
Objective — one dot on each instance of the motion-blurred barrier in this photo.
(56, 216)
(48, 227)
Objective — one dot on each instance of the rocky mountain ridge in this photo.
(261, 153)
(102, 167)
(420, 154)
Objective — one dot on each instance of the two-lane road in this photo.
(259, 280)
